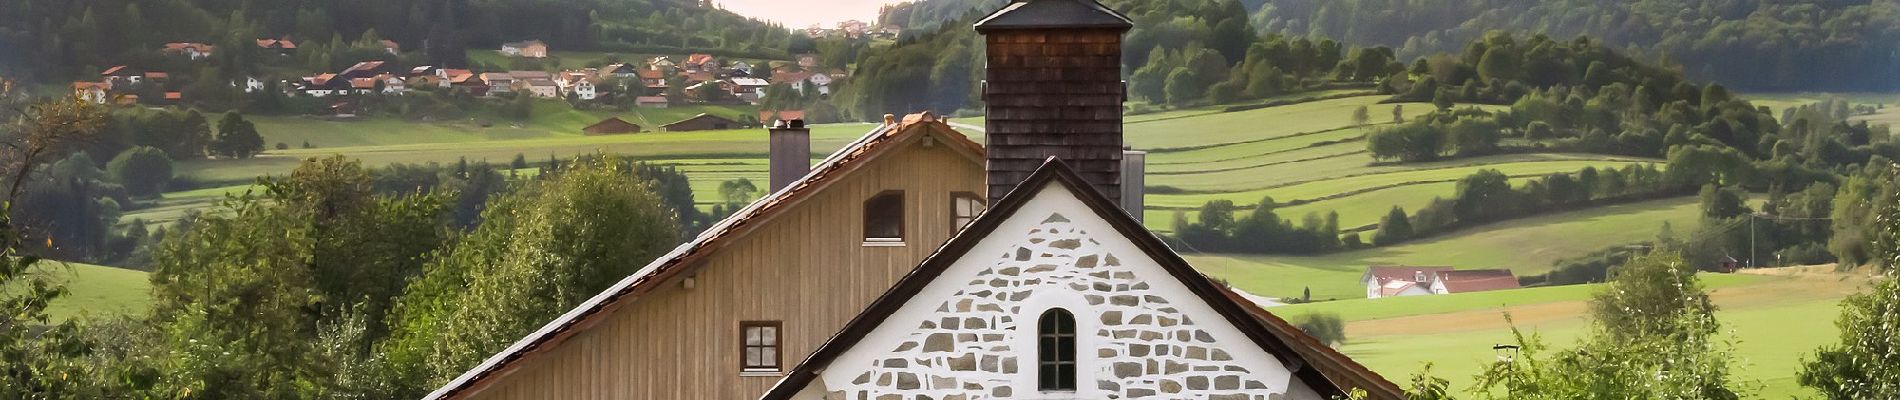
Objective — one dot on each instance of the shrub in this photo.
(1328, 328)
(143, 170)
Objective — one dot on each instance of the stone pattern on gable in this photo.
(1145, 347)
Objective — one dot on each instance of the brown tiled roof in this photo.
(1478, 280)
(173, 96)
(650, 277)
(157, 75)
(114, 70)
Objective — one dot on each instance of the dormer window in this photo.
(884, 219)
(1418, 276)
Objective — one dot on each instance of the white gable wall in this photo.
(971, 332)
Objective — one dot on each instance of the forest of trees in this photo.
(1745, 44)
(1178, 54)
(53, 40)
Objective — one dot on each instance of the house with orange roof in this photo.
(282, 46)
(195, 51)
(92, 92)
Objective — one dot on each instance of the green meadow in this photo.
(94, 291)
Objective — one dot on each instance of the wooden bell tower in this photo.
(1053, 88)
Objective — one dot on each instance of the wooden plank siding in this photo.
(807, 267)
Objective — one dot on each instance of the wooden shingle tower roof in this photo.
(1053, 88)
(1054, 14)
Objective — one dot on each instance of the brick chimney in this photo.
(1053, 88)
(789, 153)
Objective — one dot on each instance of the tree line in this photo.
(1753, 44)
(57, 40)
(1178, 54)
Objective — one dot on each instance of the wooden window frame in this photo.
(956, 200)
(884, 241)
(1063, 341)
(777, 346)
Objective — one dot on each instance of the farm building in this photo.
(611, 126)
(1473, 280)
(702, 122)
(651, 102)
(894, 269)
(1394, 281)
(527, 49)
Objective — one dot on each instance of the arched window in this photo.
(1055, 350)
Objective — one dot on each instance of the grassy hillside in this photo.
(96, 291)
(1526, 246)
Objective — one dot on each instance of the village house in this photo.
(807, 61)
(157, 77)
(391, 47)
(580, 83)
(466, 81)
(610, 126)
(392, 84)
(173, 98)
(915, 264)
(798, 81)
(195, 51)
(1389, 281)
(1473, 280)
(322, 85)
(92, 92)
(499, 82)
(661, 63)
(740, 69)
(526, 49)
(701, 63)
(540, 87)
(621, 70)
(702, 122)
(1395, 281)
(749, 90)
(816, 31)
(653, 79)
(282, 46)
(122, 75)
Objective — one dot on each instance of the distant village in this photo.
(653, 82)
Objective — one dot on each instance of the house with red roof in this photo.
(196, 51)
(1394, 281)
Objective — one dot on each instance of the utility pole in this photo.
(1751, 240)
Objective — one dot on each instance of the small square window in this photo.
(964, 207)
(759, 346)
(884, 218)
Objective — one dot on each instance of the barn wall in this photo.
(807, 268)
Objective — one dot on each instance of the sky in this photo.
(803, 13)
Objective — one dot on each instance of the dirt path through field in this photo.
(1782, 286)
